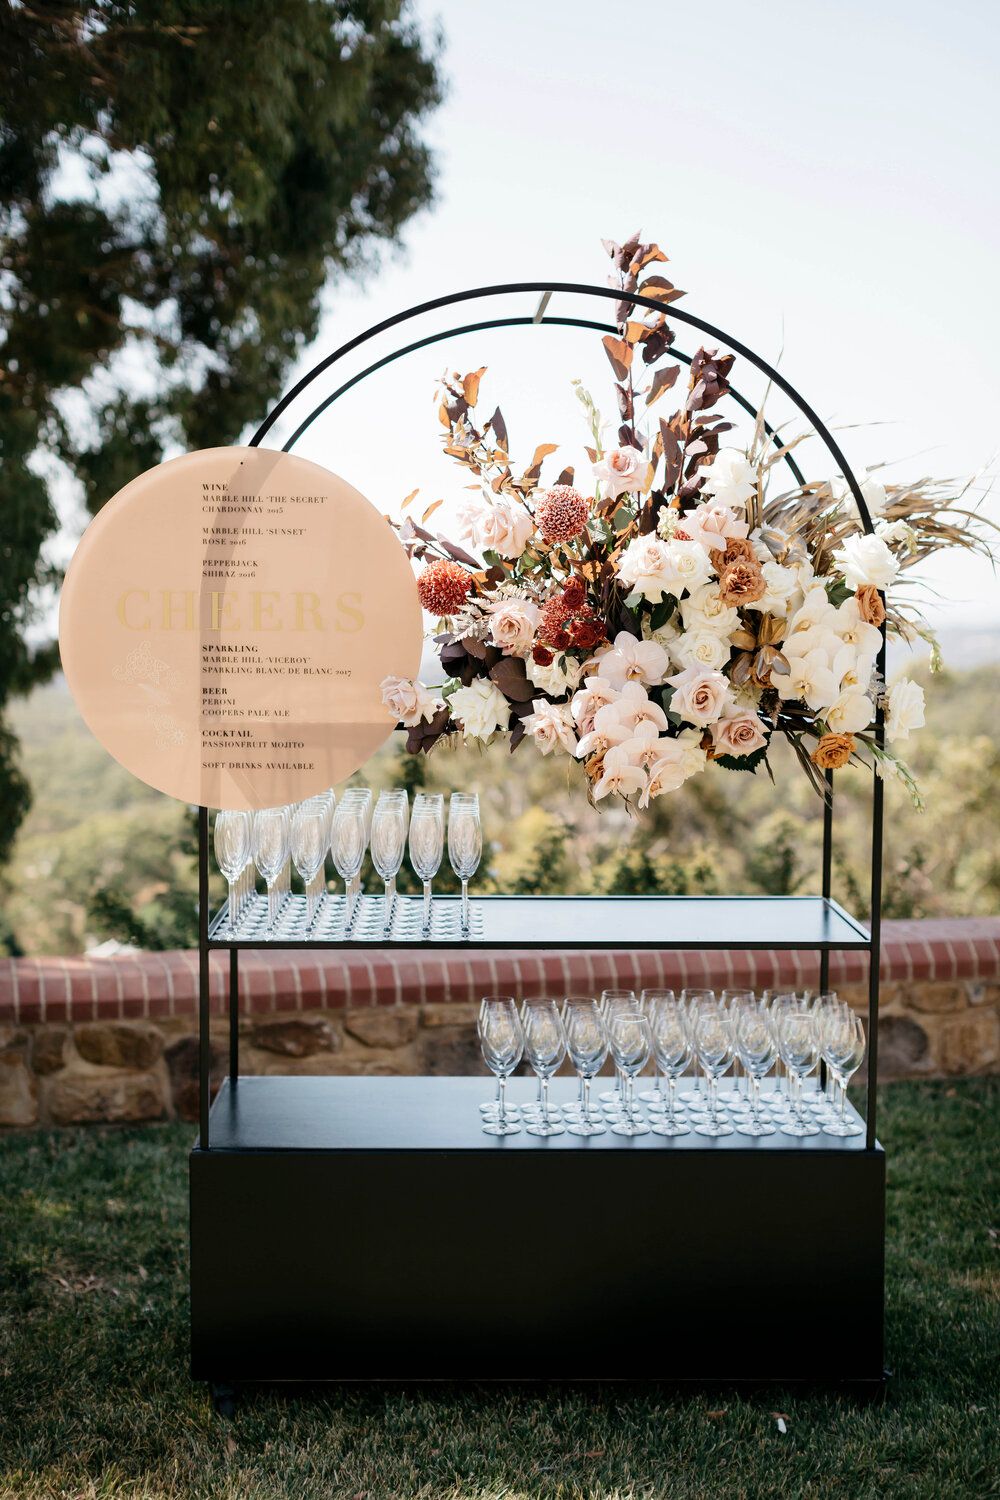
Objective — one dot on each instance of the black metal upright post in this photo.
(875, 948)
(234, 1014)
(824, 958)
(204, 1031)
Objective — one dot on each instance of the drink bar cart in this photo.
(361, 1229)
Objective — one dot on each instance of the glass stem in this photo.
(272, 905)
(585, 1081)
(843, 1095)
(629, 1099)
(671, 1099)
(502, 1086)
(545, 1102)
(465, 908)
(232, 912)
(427, 907)
(713, 1090)
(755, 1099)
(386, 908)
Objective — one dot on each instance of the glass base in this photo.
(630, 1127)
(664, 1127)
(751, 1127)
(653, 1096)
(719, 1128)
(610, 1096)
(843, 1128)
(581, 1127)
(793, 1127)
(542, 1129)
(508, 1129)
(491, 1107)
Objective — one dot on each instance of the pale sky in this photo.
(822, 177)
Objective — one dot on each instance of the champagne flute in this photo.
(308, 849)
(587, 1045)
(269, 849)
(427, 846)
(348, 841)
(388, 843)
(465, 843)
(360, 797)
(502, 1043)
(233, 836)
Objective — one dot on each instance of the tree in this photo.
(179, 180)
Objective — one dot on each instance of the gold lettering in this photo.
(307, 603)
(123, 608)
(351, 613)
(259, 607)
(186, 604)
(223, 605)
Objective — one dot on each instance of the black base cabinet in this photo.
(365, 1229)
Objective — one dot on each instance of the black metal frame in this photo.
(674, 313)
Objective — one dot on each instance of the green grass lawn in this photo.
(96, 1400)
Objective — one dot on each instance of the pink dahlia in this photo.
(561, 513)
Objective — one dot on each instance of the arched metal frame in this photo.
(547, 289)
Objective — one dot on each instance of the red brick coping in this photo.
(165, 985)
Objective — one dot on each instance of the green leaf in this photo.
(662, 612)
(742, 762)
(837, 592)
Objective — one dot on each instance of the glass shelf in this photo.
(654, 922)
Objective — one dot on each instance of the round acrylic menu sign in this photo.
(226, 622)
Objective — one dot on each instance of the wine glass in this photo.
(755, 1045)
(844, 1051)
(545, 1048)
(232, 839)
(269, 850)
(587, 1045)
(611, 1002)
(490, 1109)
(673, 1051)
(502, 1043)
(348, 841)
(798, 1046)
(388, 844)
(427, 847)
(309, 839)
(628, 1033)
(649, 1000)
(713, 1040)
(465, 843)
(733, 1001)
(692, 1001)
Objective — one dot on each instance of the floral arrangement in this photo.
(675, 608)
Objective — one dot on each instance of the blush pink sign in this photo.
(226, 622)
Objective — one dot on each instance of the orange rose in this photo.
(741, 583)
(870, 606)
(833, 751)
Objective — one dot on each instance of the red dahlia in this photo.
(561, 513)
(565, 622)
(443, 587)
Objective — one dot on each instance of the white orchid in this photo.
(619, 775)
(632, 660)
(851, 712)
(810, 678)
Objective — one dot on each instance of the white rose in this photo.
(730, 478)
(851, 713)
(551, 727)
(701, 648)
(480, 708)
(781, 583)
(409, 702)
(620, 470)
(712, 525)
(513, 623)
(690, 566)
(873, 493)
(904, 708)
(645, 568)
(896, 531)
(560, 677)
(866, 560)
(704, 610)
(700, 697)
(496, 525)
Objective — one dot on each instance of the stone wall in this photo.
(92, 1040)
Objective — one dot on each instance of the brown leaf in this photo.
(470, 385)
(455, 552)
(431, 509)
(511, 678)
(499, 426)
(660, 288)
(662, 381)
(566, 477)
(411, 496)
(619, 353)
